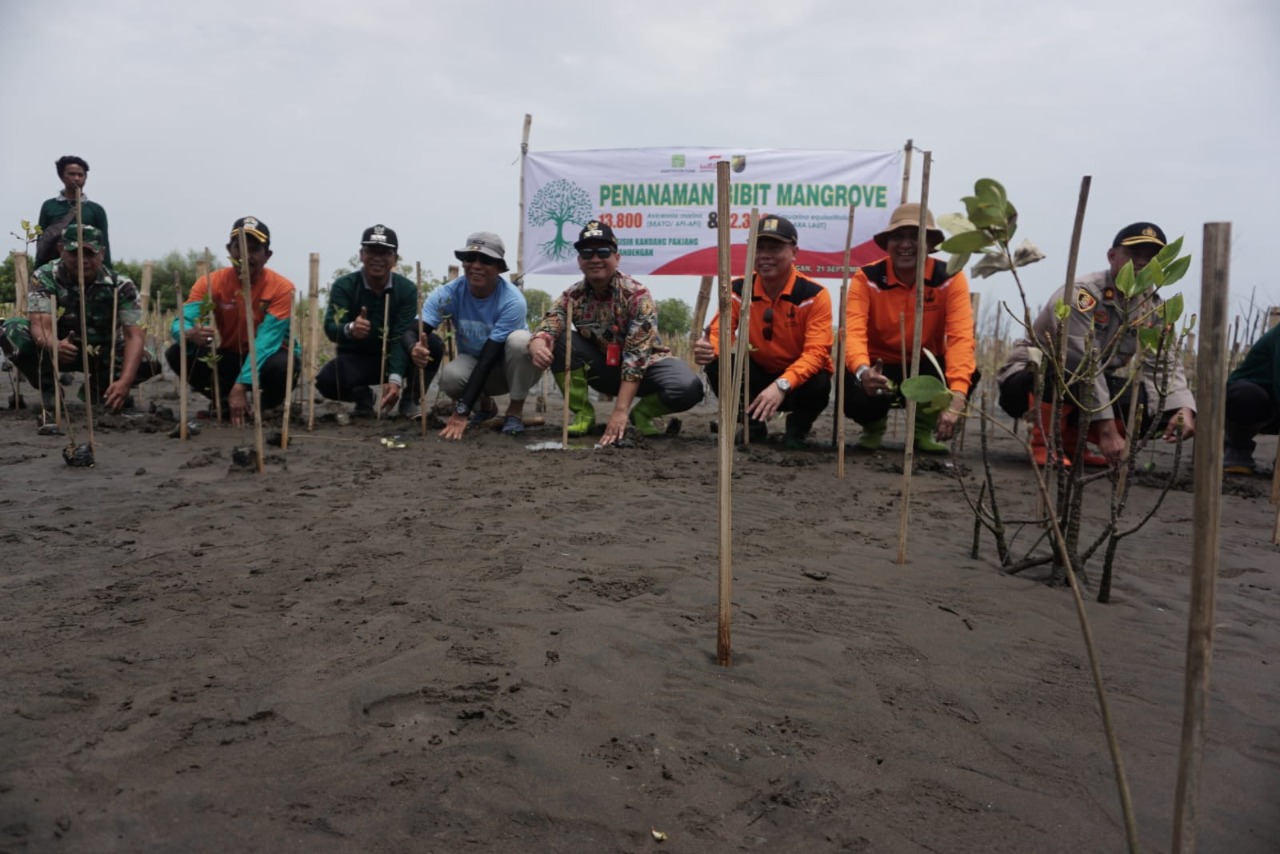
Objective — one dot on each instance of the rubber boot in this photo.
(1040, 414)
(873, 434)
(1070, 438)
(926, 423)
(584, 414)
(643, 413)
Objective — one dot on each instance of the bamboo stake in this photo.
(724, 639)
(21, 278)
(922, 254)
(845, 272)
(147, 270)
(207, 273)
(1207, 501)
(182, 359)
(524, 155)
(568, 359)
(115, 314)
(902, 347)
(84, 323)
(57, 383)
(246, 284)
(386, 322)
(422, 372)
(906, 171)
(313, 303)
(288, 375)
(700, 310)
(741, 376)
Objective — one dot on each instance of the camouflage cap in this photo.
(71, 239)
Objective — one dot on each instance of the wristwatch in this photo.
(857, 375)
(461, 408)
(783, 384)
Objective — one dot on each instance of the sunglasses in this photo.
(595, 252)
(768, 324)
(474, 257)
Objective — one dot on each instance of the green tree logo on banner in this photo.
(560, 202)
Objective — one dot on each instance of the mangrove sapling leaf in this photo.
(956, 263)
(991, 191)
(940, 401)
(1171, 310)
(1168, 253)
(1150, 277)
(933, 360)
(1061, 310)
(955, 223)
(923, 389)
(1126, 281)
(968, 241)
(1149, 338)
(1175, 271)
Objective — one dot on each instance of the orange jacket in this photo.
(877, 301)
(799, 342)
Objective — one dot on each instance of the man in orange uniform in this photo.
(789, 365)
(882, 303)
(219, 297)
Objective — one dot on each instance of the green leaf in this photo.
(955, 223)
(968, 241)
(990, 191)
(956, 263)
(1061, 310)
(987, 216)
(1175, 271)
(1172, 308)
(1168, 252)
(940, 401)
(928, 354)
(922, 389)
(1150, 276)
(1126, 282)
(1149, 338)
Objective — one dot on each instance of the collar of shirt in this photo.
(62, 197)
(892, 280)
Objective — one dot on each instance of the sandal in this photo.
(512, 425)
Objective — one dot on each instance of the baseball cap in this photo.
(774, 227)
(1139, 233)
(595, 232)
(253, 227)
(380, 235)
(92, 239)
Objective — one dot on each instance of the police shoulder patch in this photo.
(1085, 301)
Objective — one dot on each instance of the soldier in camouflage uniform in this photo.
(32, 342)
(1098, 308)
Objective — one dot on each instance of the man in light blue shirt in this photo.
(492, 336)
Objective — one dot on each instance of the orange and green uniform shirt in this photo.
(798, 341)
(272, 296)
(880, 307)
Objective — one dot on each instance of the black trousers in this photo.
(866, 409)
(804, 402)
(348, 376)
(677, 387)
(1250, 411)
(271, 377)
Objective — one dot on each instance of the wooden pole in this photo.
(182, 359)
(845, 272)
(147, 271)
(568, 360)
(57, 365)
(294, 327)
(741, 376)
(386, 323)
(84, 323)
(908, 457)
(524, 155)
(313, 335)
(1211, 389)
(21, 279)
(724, 638)
(422, 372)
(700, 310)
(906, 171)
(213, 344)
(246, 284)
(115, 316)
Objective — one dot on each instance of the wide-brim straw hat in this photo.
(909, 214)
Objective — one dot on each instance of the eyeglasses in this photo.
(478, 257)
(595, 252)
(768, 324)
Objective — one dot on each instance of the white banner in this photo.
(661, 205)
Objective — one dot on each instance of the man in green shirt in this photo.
(59, 212)
(1253, 402)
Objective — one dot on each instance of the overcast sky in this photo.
(322, 118)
